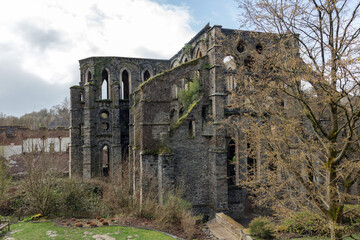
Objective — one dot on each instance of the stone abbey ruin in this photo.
(128, 110)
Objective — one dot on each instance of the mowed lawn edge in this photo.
(48, 230)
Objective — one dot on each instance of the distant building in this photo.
(16, 141)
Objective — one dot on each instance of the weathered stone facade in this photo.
(145, 121)
(99, 121)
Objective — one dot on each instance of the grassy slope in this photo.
(38, 231)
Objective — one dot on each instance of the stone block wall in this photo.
(166, 144)
(100, 112)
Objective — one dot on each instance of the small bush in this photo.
(117, 196)
(352, 217)
(76, 198)
(305, 222)
(18, 205)
(262, 227)
(172, 210)
(188, 223)
(5, 178)
(176, 211)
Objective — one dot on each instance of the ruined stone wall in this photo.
(171, 153)
(197, 47)
(100, 111)
(147, 123)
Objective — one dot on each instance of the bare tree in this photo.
(40, 182)
(298, 93)
(5, 178)
(41, 118)
(63, 109)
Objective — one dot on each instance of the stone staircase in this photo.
(225, 228)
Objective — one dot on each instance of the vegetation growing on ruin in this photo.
(191, 94)
(182, 118)
(160, 148)
(206, 41)
(100, 65)
(206, 66)
(189, 63)
(189, 98)
(186, 49)
(77, 86)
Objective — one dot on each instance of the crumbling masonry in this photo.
(130, 110)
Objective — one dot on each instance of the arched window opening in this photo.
(125, 85)
(231, 83)
(251, 160)
(240, 46)
(105, 161)
(88, 77)
(174, 91)
(229, 63)
(172, 114)
(146, 75)
(176, 63)
(181, 111)
(198, 53)
(104, 90)
(105, 85)
(231, 163)
(259, 48)
(186, 60)
(191, 128)
(197, 74)
(80, 130)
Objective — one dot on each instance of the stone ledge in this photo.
(232, 226)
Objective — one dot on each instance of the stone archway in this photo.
(236, 194)
(105, 157)
(231, 163)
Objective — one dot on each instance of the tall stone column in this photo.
(89, 131)
(218, 151)
(76, 155)
(116, 153)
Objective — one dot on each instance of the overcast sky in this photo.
(41, 41)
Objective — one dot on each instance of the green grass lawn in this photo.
(47, 230)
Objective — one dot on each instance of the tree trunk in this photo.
(334, 230)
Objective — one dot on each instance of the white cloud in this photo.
(49, 37)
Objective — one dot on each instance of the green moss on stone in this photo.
(181, 119)
(77, 86)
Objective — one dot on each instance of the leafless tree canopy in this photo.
(299, 97)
